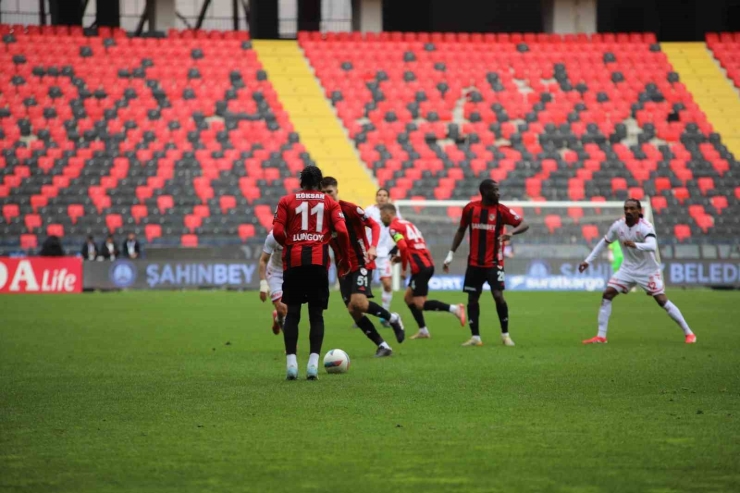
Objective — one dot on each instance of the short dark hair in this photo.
(311, 177)
(383, 189)
(486, 184)
(329, 181)
(389, 208)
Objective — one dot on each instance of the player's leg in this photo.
(386, 294)
(316, 283)
(475, 277)
(502, 310)
(290, 338)
(292, 297)
(654, 286)
(275, 283)
(605, 311)
(416, 309)
(421, 292)
(393, 319)
(358, 306)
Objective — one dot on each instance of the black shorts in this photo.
(306, 284)
(475, 277)
(357, 282)
(419, 282)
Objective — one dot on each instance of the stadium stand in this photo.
(572, 117)
(180, 139)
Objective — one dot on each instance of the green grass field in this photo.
(184, 392)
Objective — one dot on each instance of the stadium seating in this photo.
(572, 117)
(178, 139)
(726, 48)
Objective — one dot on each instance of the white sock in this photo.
(386, 298)
(424, 330)
(676, 315)
(292, 360)
(454, 309)
(605, 312)
(394, 318)
(313, 359)
(504, 335)
(384, 345)
(476, 338)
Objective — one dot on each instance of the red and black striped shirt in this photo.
(486, 224)
(357, 220)
(303, 224)
(411, 244)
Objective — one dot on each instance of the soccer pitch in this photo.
(185, 392)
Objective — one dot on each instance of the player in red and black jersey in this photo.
(355, 286)
(303, 225)
(486, 220)
(414, 253)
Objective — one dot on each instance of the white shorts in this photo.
(383, 266)
(275, 282)
(624, 281)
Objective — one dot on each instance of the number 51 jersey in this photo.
(308, 218)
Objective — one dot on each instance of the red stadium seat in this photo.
(705, 184)
(55, 230)
(227, 202)
(192, 222)
(553, 222)
(705, 222)
(590, 232)
(202, 211)
(39, 201)
(29, 241)
(138, 212)
(152, 231)
(32, 221)
(575, 213)
(246, 231)
(189, 241)
(75, 211)
(10, 211)
(165, 203)
(682, 232)
(719, 203)
(681, 194)
(658, 203)
(113, 222)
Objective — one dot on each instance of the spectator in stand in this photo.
(131, 248)
(89, 250)
(52, 247)
(109, 250)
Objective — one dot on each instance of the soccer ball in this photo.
(336, 361)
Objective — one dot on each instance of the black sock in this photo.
(369, 329)
(503, 316)
(418, 315)
(378, 311)
(436, 306)
(473, 315)
(290, 328)
(316, 336)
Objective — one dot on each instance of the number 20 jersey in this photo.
(308, 217)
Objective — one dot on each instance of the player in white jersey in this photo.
(383, 262)
(639, 267)
(271, 280)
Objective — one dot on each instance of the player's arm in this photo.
(340, 227)
(650, 244)
(608, 238)
(403, 248)
(512, 219)
(459, 236)
(262, 269)
(371, 223)
(279, 223)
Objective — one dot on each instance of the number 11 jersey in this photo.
(308, 218)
